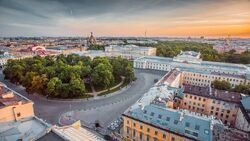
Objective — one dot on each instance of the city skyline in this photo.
(125, 18)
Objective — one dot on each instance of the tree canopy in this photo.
(96, 47)
(173, 48)
(225, 85)
(222, 85)
(66, 76)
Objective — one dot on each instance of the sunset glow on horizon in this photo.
(126, 18)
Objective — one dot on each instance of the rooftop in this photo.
(203, 67)
(245, 107)
(27, 129)
(169, 77)
(76, 134)
(51, 136)
(213, 93)
(126, 47)
(181, 122)
(190, 53)
(162, 91)
(8, 97)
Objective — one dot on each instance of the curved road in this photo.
(104, 109)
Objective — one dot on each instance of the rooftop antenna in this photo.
(145, 34)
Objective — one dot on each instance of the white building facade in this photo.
(195, 71)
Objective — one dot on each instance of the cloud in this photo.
(81, 16)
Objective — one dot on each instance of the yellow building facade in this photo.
(134, 130)
(14, 107)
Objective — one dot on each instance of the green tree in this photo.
(96, 47)
(242, 89)
(102, 76)
(222, 85)
(64, 76)
(129, 73)
(39, 83)
(53, 87)
(77, 87)
(26, 81)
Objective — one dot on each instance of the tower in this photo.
(91, 40)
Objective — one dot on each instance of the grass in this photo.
(85, 96)
(114, 90)
(100, 88)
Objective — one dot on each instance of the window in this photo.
(141, 127)
(148, 137)
(227, 116)
(197, 127)
(134, 124)
(152, 114)
(228, 111)
(206, 131)
(148, 130)
(18, 114)
(172, 139)
(156, 132)
(164, 136)
(145, 111)
(127, 121)
(175, 121)
(204, 99)
(221, 114)
(212, 107)
(187, 124)
(195, 134)
(195, 97)
(140, 136)
(127, 130)
(217, 109)
(199, 99)
(159, 116)
(168, 118)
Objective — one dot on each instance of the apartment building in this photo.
(153, 117)
(155, 122)
(15, 107)
(173, 111)
(223, 105)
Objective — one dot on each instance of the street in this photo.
(104, 109)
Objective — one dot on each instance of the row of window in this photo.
(191, 75)
(147, 136)
(195, 97)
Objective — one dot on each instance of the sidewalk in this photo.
(95, 94)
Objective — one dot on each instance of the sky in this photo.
(213, 18)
